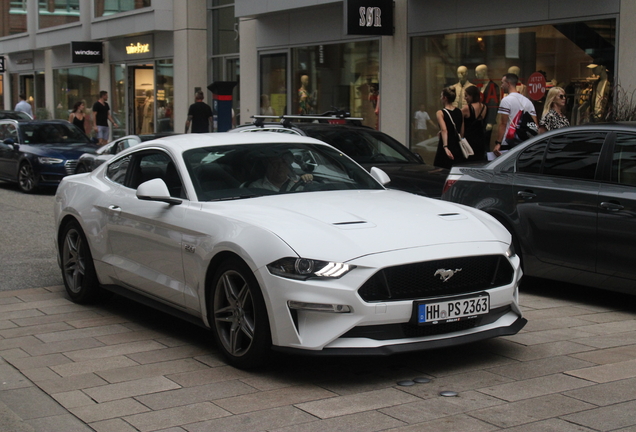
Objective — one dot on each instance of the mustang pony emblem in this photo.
(445, 275)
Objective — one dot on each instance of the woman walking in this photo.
(474, 113)
(78, 117)
(451, 125)
(553, 111)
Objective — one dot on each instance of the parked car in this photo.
(89, 161)
(334, 264)
(40, 152)
(569, 199)
(367, 146)
(14, 115)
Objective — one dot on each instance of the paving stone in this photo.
(534, 387)
(360, 422)
(64, 422)
(168, 354)
(343, 405)
(113, 425)
(82, 333)
(95, 365)
(22, 401)
(551, 425)
(35, 330)
(609, 341)
(606, 373)
(609, 316)
(11, 378)
(540, 367)
(458, 382)
(108, 410)
(73, 399)
(168, 369)
(606, 418)
(11, 422)
(114, 350)
(555, 323)
(14, 307)
(19, 342)
(611, 327)
(41, 361)
(40, 374)
(207, 375)
(131, 336)
(255, 421)
(606, 394)
(460, 422)
(130, 389)
(42, 319)
(273, 398)
(530, 410)
(21, 314)
(62, 346)
(551, 349)
(6, 324)
(545, 336)
(183, 415)
(97, 321)
(76, 382)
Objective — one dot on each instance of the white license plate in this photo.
(457, 309)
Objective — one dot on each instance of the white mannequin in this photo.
(521, 88)
(490, 95)
(460, 87)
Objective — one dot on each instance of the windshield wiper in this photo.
(231, 198)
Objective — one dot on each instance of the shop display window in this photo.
(273, 84)
(58, 12)
(165, 95)
(110, 7)
(578, 57)
(72, 85)
(13, 17)
(117, 100)
(339, 76)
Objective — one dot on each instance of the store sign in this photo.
(87, 52)
(369, 17)
(536, 86)
(2, 68)
(138, 48)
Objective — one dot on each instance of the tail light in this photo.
(450, 181)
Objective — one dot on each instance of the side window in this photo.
(117, 170)
(155, 164)
(530, 160)
(574, 155)
(624, 160)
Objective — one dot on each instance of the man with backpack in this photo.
(511, 112)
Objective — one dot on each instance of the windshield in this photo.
(52, 133)
(365, 146)
(247, 171)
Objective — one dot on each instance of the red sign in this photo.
(536, 86)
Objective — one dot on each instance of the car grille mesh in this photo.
(70, 166)
(418, 280)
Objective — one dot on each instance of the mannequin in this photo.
(601, 92)
(460, 87)
(148, 113)
(490, 98)
(305, 101)
(521, 88)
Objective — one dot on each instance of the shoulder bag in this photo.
(467, 150)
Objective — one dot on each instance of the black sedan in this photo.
(40, 153)
(569, 199)
(369, 148)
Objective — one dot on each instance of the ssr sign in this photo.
(369, 17)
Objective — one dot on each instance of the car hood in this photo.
(62, 151)
(345, 225)
(416, 178)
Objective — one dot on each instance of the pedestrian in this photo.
(200, 115)
(24, 106)
(475, 113)
(101, 115)
(553, 116)
(451, 125)
(78, 117)
(421, 120)
(509, 107)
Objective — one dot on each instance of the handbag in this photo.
(521, 128)
(467, 150)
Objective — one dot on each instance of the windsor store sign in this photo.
(369, 17)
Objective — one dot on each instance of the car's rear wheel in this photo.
(239, 316)
(26, 178)
(78, 269)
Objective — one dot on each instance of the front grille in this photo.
(70, 166)
(413, 281)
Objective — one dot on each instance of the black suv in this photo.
(367, 146)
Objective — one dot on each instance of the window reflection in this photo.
(110, 7)
(53, 13)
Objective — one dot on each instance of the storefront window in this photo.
(117, 100)
(224, 36)
(41, 112)
(273, 84)
(57, 12)
(13, 17)
(110, 7)
(579, 57)
(342, 76)
(72, 85)
(165, 96)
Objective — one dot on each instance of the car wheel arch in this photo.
(513, 232)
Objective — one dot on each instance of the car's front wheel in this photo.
(78, 270)
(239, 316)
(26, 178)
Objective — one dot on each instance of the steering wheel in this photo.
(297, 185)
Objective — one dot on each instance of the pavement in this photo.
(121, 367)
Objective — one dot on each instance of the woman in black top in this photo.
(78, 117)
(451, 123)
(474, 128)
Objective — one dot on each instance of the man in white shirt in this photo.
(279, 175)
(24, 106)
(421, 119)
(510, 106)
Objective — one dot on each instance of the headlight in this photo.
(50, 160)
(303, 269)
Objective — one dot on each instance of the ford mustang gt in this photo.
(282, 242)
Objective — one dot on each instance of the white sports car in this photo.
(282, 242)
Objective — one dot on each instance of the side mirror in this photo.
(8, 141)
(418, 156)
(381, 177)
(156, 190)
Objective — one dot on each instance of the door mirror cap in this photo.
(156, 190)
(381, 177)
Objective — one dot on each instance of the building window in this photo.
(2, 92)
(13, 17)
(165, 95)
(343, 76)
(110, 7)
(224, 50)
(273, 84)
(578, 57)
(53, 13)
(72, 85)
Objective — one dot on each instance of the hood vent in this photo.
(452, 216)
(354, 224)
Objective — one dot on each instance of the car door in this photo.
(145, 237)
(556, 199)
(617, 212)
(8, 154)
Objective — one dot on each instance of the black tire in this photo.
(26, 178)
(238, 316)
(78, 269)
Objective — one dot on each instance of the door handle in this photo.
(526, 194)
(611, 206)
(114, 209)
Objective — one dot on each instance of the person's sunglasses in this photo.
(561, 96)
